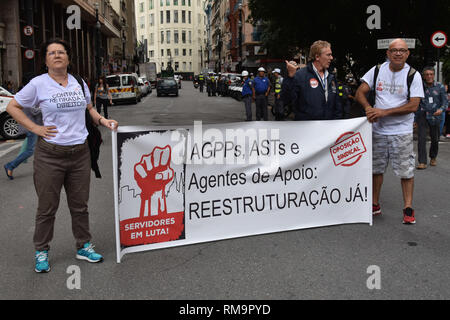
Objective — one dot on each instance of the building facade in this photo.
(174, 33)
(87, 25)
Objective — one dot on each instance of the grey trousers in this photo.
(248, 107)
(56, 167)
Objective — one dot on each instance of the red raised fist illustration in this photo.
(152, 175)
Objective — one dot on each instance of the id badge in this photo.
(430, 100)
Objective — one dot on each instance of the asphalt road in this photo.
(320, 263)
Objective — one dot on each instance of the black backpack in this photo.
(94, 137)
(372, 92)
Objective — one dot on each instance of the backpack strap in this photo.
(410, 79)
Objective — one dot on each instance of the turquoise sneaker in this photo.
(42, 265)
(88, 253)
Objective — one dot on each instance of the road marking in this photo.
(14, 147)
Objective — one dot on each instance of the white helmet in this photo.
(262, 69)
(276, 71)
(245, 73)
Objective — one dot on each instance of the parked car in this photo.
(9, 128)
(124, 87)
(147, 84)
(178, 80)
(143, 87)
(166, 86)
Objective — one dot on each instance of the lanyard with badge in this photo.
(323, 82)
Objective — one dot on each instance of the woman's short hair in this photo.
(316, 49)
(43, 52)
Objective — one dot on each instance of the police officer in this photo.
(213, 84)
(279, 106)
(201, 81)
(261, 89)
(209, 84)
(247, 94)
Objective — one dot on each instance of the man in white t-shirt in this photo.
(392, 116)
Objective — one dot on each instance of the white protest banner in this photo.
(212, 182)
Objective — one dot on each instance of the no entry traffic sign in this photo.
(439, 39)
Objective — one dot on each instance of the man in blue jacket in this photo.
(261, 89)
(313, 90)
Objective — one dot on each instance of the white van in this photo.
(124, 87)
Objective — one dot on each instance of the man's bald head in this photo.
(397, 54)
(398, 43)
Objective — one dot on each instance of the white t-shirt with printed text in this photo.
(62, 107)
(392, 92)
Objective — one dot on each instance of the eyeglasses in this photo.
(53, 53)
(401, 51)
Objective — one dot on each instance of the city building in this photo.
(174, 33)
(87, 25)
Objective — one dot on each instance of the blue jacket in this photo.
(307, 96)
(247, 88)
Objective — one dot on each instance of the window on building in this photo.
(175, 2)
(190, 37)
(190, 66)
(175, 36)
(175, 16)
(189, 17)
(162, 37)
(142, 22)
(184, 66)
(177, 65)
(168, 16)
(162, 3)
(169, 53)
(183, 16)
(167, 2)
(189, 3)
(177, 52)
(190, 52)
(184, 52)
(162, 52)
(168, 36)
(183, 36)
(183, 2)
(150, 4)
(141, 7)
(151, 53)
(152, 39)
(151, 20)
(162, 17)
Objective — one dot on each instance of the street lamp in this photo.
(97, 43)
(240, 25)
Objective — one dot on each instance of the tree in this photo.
(297, 24)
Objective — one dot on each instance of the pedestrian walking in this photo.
(261, 90)
(62, 155)
(35, 115)
(397, 91)
(312, 90)
(247, 94)
(102, 96)
(428, 117)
